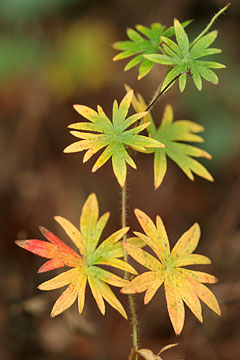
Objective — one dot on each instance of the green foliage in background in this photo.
(78, 62)
(23, 11)
(66, 63)
(20, 54)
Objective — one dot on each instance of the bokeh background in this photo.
(54, 53)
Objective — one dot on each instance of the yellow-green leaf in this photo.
(115, 135)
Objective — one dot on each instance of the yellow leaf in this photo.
(143, 257)
(109, 296)
(174, 305)
(139, 284)
(72, 232)
(96, 293)
(181, 285)
(61, 280)
(65, 300)
(156, 239)
(154, 286)
(187, 242)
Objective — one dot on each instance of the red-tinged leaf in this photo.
(84, 268)
(50, 251)
(38, 247)
(59, 243)
(51, 265)
(73, 233)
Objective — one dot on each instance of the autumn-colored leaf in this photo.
(85, 265)
(115, 135)
(181, 285)
(175, 135)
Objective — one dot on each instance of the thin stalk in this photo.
(131, 302)
(210, 24)
(159, 92)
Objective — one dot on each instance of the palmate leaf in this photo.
(174, 134)
(142, 42)
(181, 285)
(184, 57)
(85, 265)
(115, 135)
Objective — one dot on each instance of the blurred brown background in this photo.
(54, 53)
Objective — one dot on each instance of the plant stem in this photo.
(131, 302)
(210, 24)
(159, 92)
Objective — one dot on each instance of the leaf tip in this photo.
(39, 287)
(21, 243)
(67, 149)
(44, 231)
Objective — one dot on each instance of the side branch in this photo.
(159, 94)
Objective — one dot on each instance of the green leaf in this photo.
(181, 37)
(145, 41)
(181, 285)
(183, 57)
(115, 135)
(173, 134)
(84, 266)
